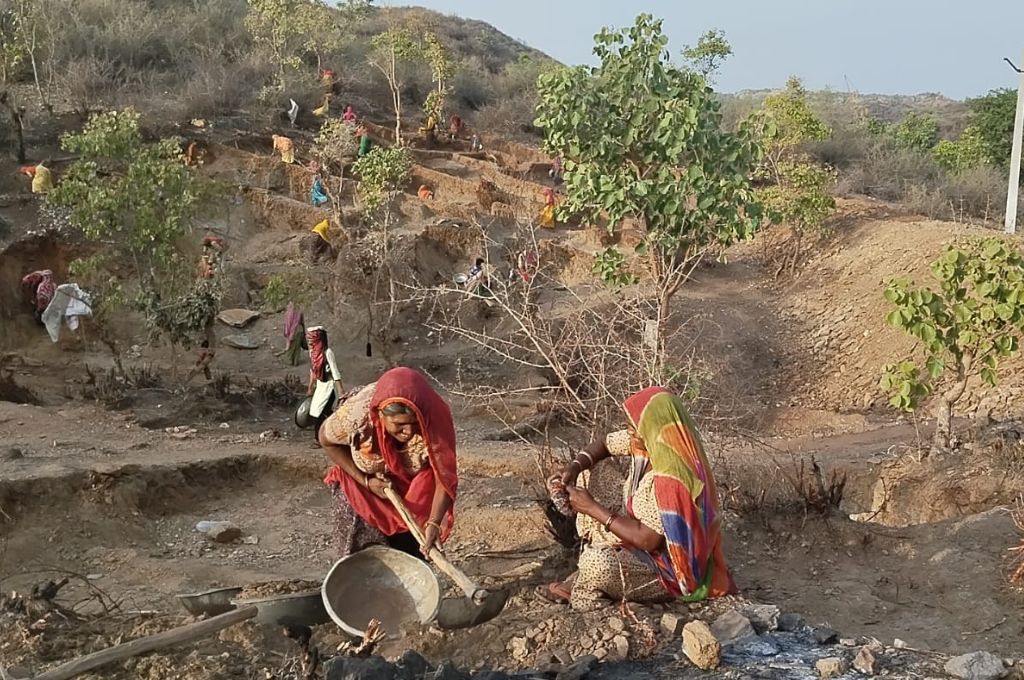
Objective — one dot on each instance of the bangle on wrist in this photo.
(431, 522)
(608, 522)
(590, 459)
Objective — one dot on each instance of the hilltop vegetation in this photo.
(180, 59)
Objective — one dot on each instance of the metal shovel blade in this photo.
(463, 612)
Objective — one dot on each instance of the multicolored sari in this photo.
(410, 388)
(693, 565)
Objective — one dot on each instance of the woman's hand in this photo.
(582, 502)
(570, 473)
(431, 536)
(376, 485)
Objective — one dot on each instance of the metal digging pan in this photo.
(209, 602)
(384, 584)
(292, 609)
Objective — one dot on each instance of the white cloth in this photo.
(69, 302)
(325, 388)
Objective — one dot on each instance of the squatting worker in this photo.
(656, 535)
(398, 432)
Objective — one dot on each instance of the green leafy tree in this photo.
(964, 326)
(393, 51)
(335, 147)
(642, 140)
(441, 71)
(916, 131)
(610, 266)
(992, 115)
(708, 55)
(136, 201)
(287, 28)
(799, 191)
(962, 154)
(382, 173)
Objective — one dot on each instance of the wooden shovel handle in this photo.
(436, 556)
(150, 643)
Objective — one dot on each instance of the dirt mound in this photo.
(838, 340)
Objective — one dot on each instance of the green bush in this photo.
(992, 115)
(916, 131)
(962, 154)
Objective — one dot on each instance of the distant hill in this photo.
(468, 39)
(845, 106)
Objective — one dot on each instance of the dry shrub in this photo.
(886, 173)
(218, 87)
(90, 83)
(509, 118)
(574, 357)
(281, 393)
(818, 497)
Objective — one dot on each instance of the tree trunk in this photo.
(942, 439)
(16, 125)
(396, 96)
(664, 309)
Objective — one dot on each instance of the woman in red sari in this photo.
(398, 432)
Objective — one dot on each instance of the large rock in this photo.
(672, 623)
(865, 661)
(764, 617)
(238, 318)
(731, 627)
(791, 623)
(352, 668)
(241, 341)
(224, 532)
(976, 666)
(824, 635)
(411, 665)
(701, 646)
(831, 667)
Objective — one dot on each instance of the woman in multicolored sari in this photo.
(397, 432)
(658, 536)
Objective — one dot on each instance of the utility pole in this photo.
(1018, 139)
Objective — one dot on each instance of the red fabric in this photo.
(43, 288)
(316, 339)
(408, 387)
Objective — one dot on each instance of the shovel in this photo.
(478, 606)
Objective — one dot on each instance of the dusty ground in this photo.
(117, 504)
(111, 497)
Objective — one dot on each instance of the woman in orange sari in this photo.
(658, 535)
(396, 432)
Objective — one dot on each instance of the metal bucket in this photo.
(391, 586)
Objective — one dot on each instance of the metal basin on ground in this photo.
(292, 609)
(209, 602)
(391, 586)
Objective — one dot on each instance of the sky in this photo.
(955, 47)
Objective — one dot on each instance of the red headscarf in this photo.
(316, 339)
(408, 387)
